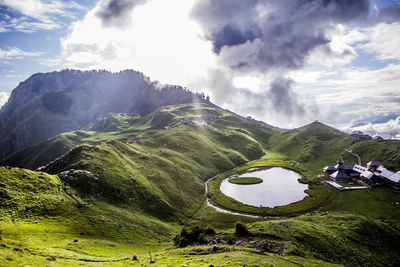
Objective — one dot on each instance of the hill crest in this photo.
(47, 104)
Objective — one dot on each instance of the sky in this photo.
(285, 62)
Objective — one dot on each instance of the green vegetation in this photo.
(349, 184)
(382, 202)
(241, 229)
(245, 180)
(194, 234)
(341, 238)
(385, 151)
(26, 194)
(119, 192)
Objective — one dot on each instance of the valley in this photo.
(199, 133)
(121, 189)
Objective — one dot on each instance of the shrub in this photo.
(241, 229)
(193, 234)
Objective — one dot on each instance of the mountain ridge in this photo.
(47, 104)
(128, 182)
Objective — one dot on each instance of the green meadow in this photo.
(120, 191)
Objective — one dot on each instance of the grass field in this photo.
(127, 185)
(312, 240)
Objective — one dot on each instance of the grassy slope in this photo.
(159, 169)
(46, 235)
(40, 154)
(41, 218)
(315, 145)
(385, 151)
(135, 185)
(341, 238)
(122, 127)
(26, 193)
(230, 133)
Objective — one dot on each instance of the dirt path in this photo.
(357, 156)
(209, 204)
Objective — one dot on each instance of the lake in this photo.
(279, 187)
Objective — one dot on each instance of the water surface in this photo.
(279, 187)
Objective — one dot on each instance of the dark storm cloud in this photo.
(117, 12)
(272, 38)
(277, 102)
(230, 35)
(389, 14)
(283, 98)
(344, 10)
(276, 34)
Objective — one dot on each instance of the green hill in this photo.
(47, 104)
(385, 151)
(27, 194)
(225, 131)
(157, 163)
(310, 143)
(44, 222)
(126, 184)
(157, 168)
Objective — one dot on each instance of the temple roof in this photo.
(340, 175)
(344, 166)
(374, 163)
(330, 168)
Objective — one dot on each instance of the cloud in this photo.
(160, 41)
(389, 129)
(382, 40)
(3, 98)
(285, 62)
(16, 53)
(348, 96)
(283, 98)
(275, 35)
(41, 9)
(117, 12)
(270, 40)
(389, 13)
(275, 102)
(35, 15)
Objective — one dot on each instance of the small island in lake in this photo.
(245, 180)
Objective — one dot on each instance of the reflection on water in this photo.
(279, 187)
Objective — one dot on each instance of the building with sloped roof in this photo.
(360, 135)
(374, 173)
(389, 177)
(339, 172)
(374, 164)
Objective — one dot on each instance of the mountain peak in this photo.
(47, 104)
